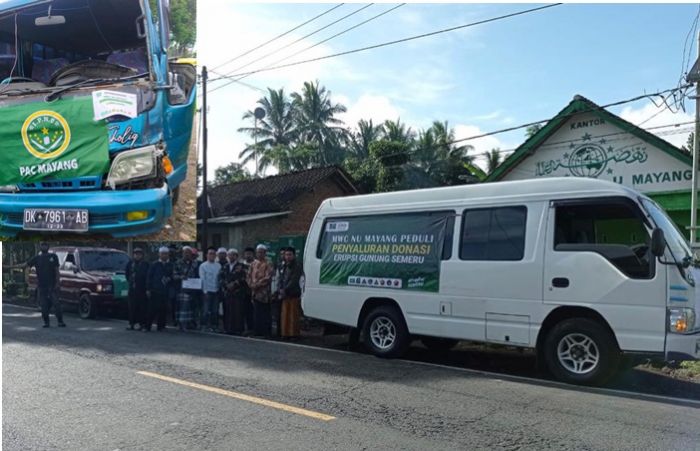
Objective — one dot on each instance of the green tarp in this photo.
(57, 140)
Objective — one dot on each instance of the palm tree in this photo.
(277, 128)
(366, 134)
(493, 160)
(314, 115)
(437, 154)
(398, 132)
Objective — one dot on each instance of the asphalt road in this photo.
(97, 386)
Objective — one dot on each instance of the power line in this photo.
(398, 41)
(278, 36)
(320, 43)
(569, 141)
(298, 40)
(248, 85)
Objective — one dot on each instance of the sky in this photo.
(480, 79)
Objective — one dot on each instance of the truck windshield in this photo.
(63, 42)
(675, 240)
(103, 261)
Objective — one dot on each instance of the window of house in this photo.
(493, 234)
(614, 229)
(216, 240)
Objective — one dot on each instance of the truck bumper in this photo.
(107, 209)
(683, 347)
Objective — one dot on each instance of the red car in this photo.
(93, 279)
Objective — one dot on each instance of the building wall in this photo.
(295, 224)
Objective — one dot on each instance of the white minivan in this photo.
(581, 270)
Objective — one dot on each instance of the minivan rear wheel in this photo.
(87, 308)
(581, 351)
(385, 333)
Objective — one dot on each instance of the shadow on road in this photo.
(90, 338)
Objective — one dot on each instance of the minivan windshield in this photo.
(103, 261)
(675, 240)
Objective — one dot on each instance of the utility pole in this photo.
(258, 114)
(205, 197)
(694, 77)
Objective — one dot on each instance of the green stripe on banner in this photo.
(56, 140)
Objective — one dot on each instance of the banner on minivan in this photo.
(387, 251)
(56, 140)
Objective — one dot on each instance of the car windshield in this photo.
(675, 240)
(103, 261)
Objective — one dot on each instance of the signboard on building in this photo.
(590, 146)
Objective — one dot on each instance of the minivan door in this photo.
(597, 255)
(494, 279)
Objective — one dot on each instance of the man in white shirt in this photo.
(209, 273)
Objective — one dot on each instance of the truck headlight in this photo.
(8, 188)
(681, 320)
(133, 165)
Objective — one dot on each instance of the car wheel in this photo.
(581, 351)
(87, 308)
(438, 344)
(385, 332)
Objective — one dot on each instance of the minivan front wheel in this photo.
(385, 332)
(87, 308)
(581, 351)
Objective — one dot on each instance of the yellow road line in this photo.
(241, 396)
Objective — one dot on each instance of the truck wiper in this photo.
(57, 94)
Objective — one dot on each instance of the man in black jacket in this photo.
(48, 278)
(160, 277)
(136, 275)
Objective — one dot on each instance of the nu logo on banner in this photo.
(46, 134)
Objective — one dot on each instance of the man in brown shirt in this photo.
(260, 280)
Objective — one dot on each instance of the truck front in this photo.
(95, 122)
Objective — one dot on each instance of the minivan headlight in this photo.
(133, 165)
(681, 320)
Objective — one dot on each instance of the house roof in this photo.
(272, 194)
(581, 105)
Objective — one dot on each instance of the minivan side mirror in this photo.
(658, 242)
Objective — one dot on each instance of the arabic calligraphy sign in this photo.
(589, 147)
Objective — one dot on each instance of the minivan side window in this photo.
(492, 234)
(613, 229)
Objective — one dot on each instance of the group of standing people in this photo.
(247, 291)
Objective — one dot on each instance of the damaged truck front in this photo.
(95, 119)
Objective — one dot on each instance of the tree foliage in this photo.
(303, 130)
(231, 173)
(183, 25)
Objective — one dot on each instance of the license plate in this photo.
(55, 219)
(125, 293)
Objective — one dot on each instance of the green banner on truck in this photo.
(387, 251)
(56, 140)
